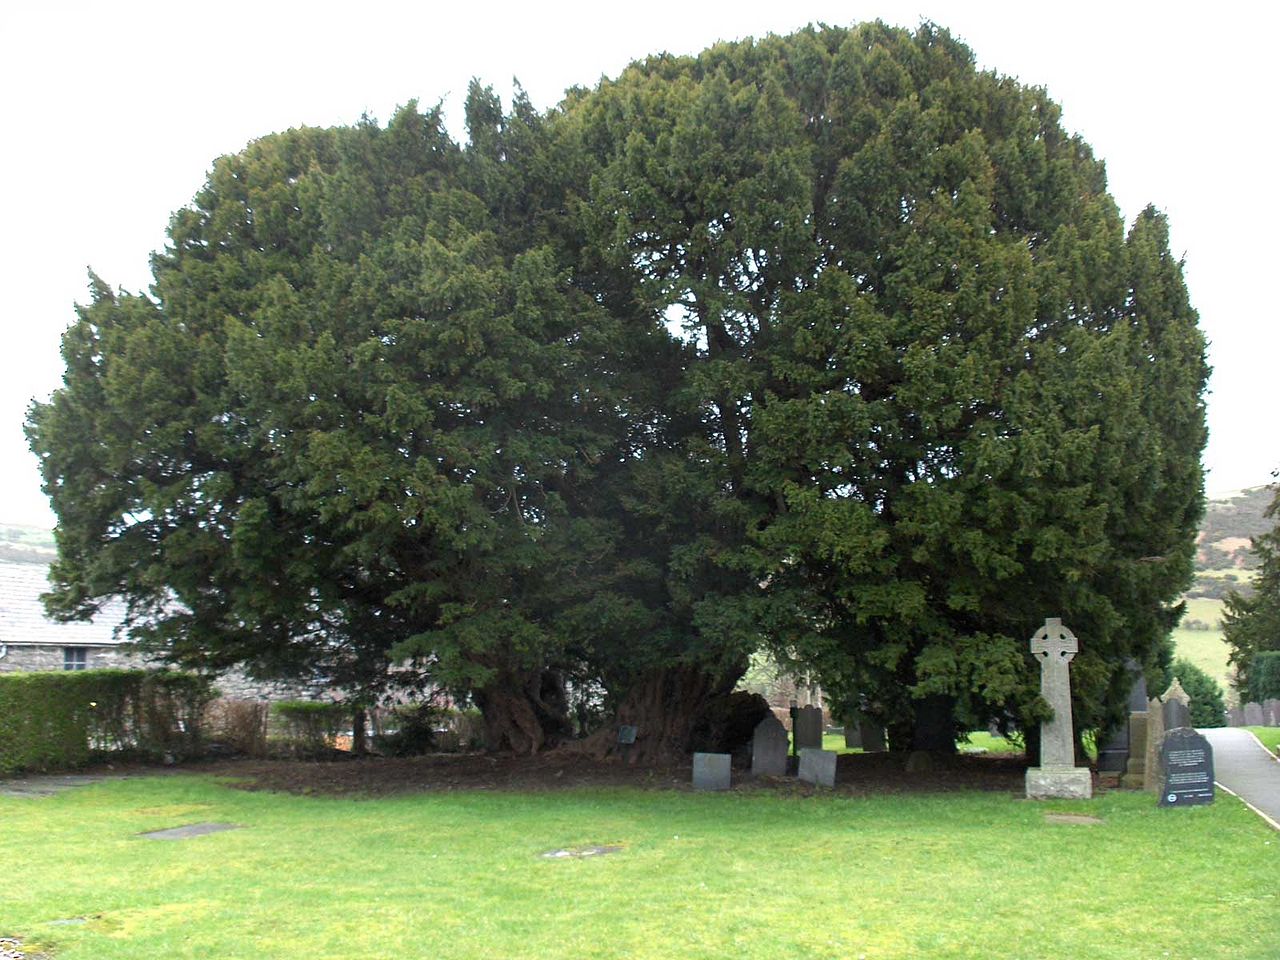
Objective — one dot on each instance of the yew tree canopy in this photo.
(829, 343)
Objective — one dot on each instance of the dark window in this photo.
(74, 658)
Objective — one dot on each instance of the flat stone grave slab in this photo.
(818, 767)
(711, 771)
(578, 853)
(45, 785)
(1076, 818)
(189, 831)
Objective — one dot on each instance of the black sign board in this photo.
(1188, 769)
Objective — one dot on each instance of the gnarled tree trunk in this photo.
(524, 712)
(675, 710)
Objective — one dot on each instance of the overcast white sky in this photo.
(116, 111)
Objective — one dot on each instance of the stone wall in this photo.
(232, 685)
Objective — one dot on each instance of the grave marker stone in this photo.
(1155, 734)
(1271, 712)
(818, 766)
(1176, 715)
(1113, 757)
(1235, 717)
(872, 737)
(711, 771)
(769, 748)
(1253, 715)
(852, 735)
(1187, 759)
(808, 728)
(1057, 776)
(1136, 765)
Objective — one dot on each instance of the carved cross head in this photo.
(1053, 641)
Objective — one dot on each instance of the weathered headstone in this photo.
(711, 771)
(808, 728)
(1113, 756)
(1187, 758)
(872, 737)
(1176, 706)
(1057, 776)
(1176, 715)
(1155, 734)
(1136, 765)
(189, 831)
(1253, 715)
(852, 735)
(1271, 712)
(1235, 717)
(818, 766)
(769, 748)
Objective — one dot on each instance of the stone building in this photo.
(29, 641)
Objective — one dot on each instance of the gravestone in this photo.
(1187, 759)
(1136, 765)
(711, 771)
(872, 737)
(769, 748)
(1176, 715)
(1253, 715)
(808, 728)
(1271, 712)
(818, 766)
(1235, 717)
(1054, 646)
(1155, 734)
(1113, 757)
(852, 735)
(189, 831)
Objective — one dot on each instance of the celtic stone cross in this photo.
(1055, 647)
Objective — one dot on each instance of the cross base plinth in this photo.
(1067, 783)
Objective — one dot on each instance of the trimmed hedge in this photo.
(59, 720)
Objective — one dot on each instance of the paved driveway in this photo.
(1246, 768)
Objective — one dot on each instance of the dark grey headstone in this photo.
(1235, 717)
(1137, 692)
(1271, 712)
(1253, 715)
(852, 736)
(1187, 759)
(818, 766)
(626, 735)
(189, 831)
(872, 737)
(769, 747)
(711, 771)
(1176, 715)
(808, 728)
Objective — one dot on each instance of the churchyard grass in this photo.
(1270, 737)
(752, 873)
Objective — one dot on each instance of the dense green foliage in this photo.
(309, 727)
(1264, 676)
(1208, 707)
(56, 721)
(394, 398)
(1251, 623)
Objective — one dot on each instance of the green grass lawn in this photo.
(1270, 737)
(1205, 648)
(753, 874)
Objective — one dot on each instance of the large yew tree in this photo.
(830, 343)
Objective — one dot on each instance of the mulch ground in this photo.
(857, 774)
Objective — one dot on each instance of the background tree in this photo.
(1251, 623)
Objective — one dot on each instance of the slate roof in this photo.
(22, 619)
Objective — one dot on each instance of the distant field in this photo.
(1205, 648)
